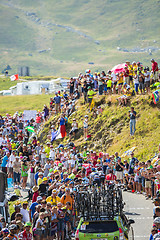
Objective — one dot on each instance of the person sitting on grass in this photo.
(126, 95)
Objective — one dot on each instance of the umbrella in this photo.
(30, 129)
(119, 68)
(128, 152)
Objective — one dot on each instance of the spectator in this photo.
(25, 212)
(57, 100)
(119, 170)
(26, 234)
(53, 199)
(32, 208)
(85, 126)
(4, 162)
(154, 70)
(24, 173)
(16, 170)
(132, 116)
(126, 75)
(74, 129)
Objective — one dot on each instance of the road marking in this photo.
(142, 208)
(141, 236)
(141, 218)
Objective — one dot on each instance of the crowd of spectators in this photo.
(54, 174)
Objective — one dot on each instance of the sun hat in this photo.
(40, 173)
(20, 224)
(28, 224)
(39, 198)
(157, 220)
(35, 189)
(54, 191)
(45, 179)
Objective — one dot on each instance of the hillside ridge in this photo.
(110, 130)
(62, 38)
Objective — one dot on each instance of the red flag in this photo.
(14, 77)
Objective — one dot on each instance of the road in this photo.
(141, 211)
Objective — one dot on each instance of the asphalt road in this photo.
(141, 211)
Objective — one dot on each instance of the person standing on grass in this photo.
(85, 125)
(90, 94)
(57, 100)
(154, 70)
(62, 123)
(136, 81)
(132, 116)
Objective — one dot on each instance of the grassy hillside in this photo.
(74, 33)
(110, 130)
(11, 104)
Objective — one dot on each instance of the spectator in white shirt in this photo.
(25, 212)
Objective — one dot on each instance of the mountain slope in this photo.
(62, 37)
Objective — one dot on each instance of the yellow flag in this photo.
(92, 104)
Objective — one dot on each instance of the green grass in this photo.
(113, 23)
(11, 104)
(6, 83)
(110, 130)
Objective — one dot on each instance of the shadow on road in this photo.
(129, 213)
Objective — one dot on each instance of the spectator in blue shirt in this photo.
(32, 208)
(57, 100)
(4, 162)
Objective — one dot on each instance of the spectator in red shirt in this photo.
(35, 193)
(111, 176)
(26, 234)
(154, 69)
(126, 75)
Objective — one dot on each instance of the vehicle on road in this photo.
(101, 215)
(115, 229)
